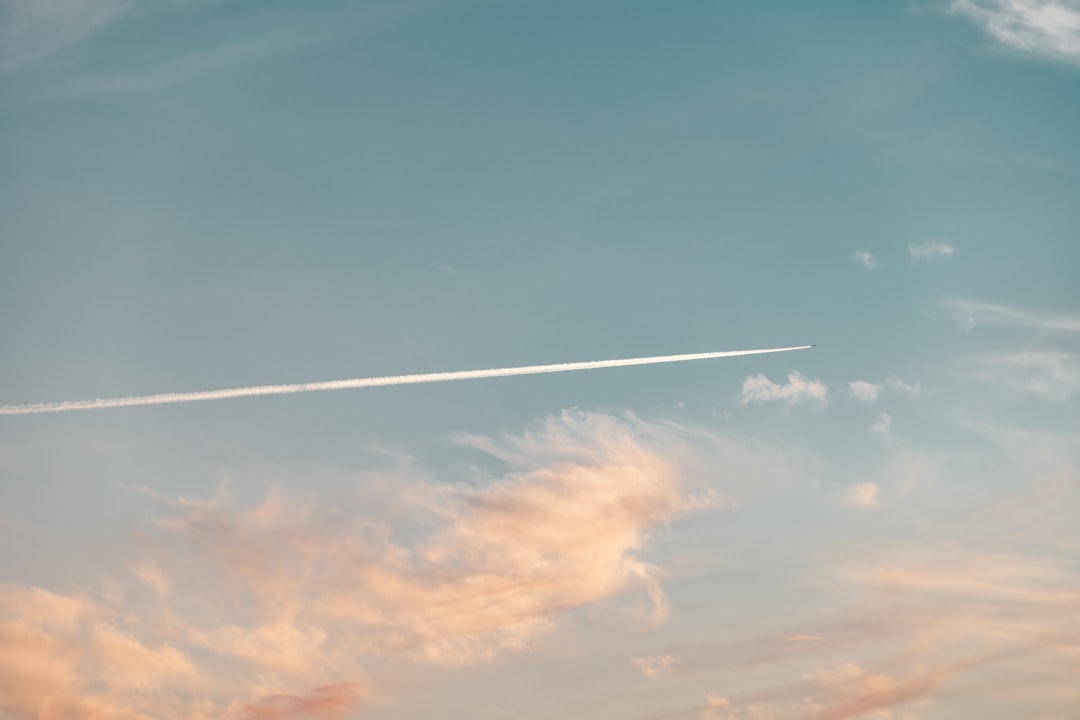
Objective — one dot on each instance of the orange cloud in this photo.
(70, 657)
(852, 692)
(325, 703)
(237, 613)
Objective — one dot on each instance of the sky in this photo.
(205, 194)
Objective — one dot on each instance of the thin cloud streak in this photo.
(32, 30)
(971, 313)
(357, 383)
(1047, 374)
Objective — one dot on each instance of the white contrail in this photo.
(167, 398)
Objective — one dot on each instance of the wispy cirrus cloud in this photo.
(931, 251)
(850, 691)
(836, 692)
(760, 389)
(937, 617)
(291, 600)
(32, 30)
(1053, 375)
(193, 63)
(971, 313)
(1048, 29)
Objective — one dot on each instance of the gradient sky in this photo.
(199, 194)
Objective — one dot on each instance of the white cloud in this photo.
(758, 389)
(861, 495)
(882, 425)
(931, 250)
(971, 313)
(1045, 28)
(32, 30)
(863, 390)
(866, 259)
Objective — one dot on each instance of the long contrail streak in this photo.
(167, 398)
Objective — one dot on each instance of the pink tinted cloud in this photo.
(329, 702)
(239, 612)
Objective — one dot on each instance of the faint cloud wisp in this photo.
(861, 495)
(655, 665)
(1047, 374)
(971, 313)
(1049, 29)
(33, 30)
(866, 259)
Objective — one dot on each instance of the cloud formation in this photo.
(1049, 29)
(971, 313)
(272, 612)
(861, 495)
(866, 259)
(863, 390)
(759, 389)
(655, 665)
(324, 703)
(32, 30)
(902, 387)
(1052, 375)
(883, 424)
(931, 251)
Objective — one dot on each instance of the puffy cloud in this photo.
(931, 251)
(863, 390)
(883, 424)
(1045, 28)
(759, 388)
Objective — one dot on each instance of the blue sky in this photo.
(202, 194)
